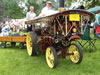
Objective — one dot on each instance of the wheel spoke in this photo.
(50, 57)
(52, 62)
(76, 55)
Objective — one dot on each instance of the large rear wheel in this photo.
(31, 43)
(51, 57)
(76, 52)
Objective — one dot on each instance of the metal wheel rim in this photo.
(75, 57)
(50, 58)
(29, 44)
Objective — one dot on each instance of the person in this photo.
(5, 21)
(84, 23)
(97, 18)
(17, 25)
(12, 25)
(0, 27)
(5, 28)
(47, 10)
(97, 22)
(92, 24)
(30, 16)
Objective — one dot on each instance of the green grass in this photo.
(15, 61)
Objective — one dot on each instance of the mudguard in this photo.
(75, 37)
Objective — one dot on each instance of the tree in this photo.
(92, 3)
(12, 9)
(86, 3)
(68, 2)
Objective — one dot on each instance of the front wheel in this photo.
(76, 52)
(51, 57)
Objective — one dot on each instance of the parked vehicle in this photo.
(56, 37)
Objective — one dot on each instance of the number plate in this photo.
(74, 17)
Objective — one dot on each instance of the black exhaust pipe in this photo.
(61, 3)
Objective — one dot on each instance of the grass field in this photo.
(15, 61)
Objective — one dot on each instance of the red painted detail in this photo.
(75, 37)
(98, 30)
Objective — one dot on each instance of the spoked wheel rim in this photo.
(75, 57)
(29, 44)
(51, 57)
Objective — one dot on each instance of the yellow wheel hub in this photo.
(50, 58)
(75, 57)
(29, 44)
(75, 53)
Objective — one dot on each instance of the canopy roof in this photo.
(94, 9)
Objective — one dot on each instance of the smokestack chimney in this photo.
(61, 3)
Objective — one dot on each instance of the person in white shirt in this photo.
(30, 16)
(46, 10)
(12, 25)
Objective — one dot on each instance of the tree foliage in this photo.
(92, 3)
(12, 9)
(86, 3)
(68, 2)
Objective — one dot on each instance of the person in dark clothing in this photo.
(29, 27)
(0, 29)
